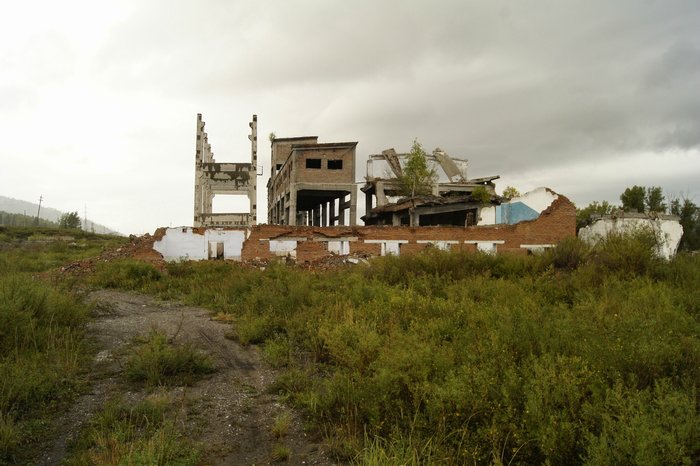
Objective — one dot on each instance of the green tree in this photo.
(584, 216)
(654, 199)
(69, 220)
(633, 199)
(418, 177)
(510, 192)
(481, 195)
(690, 220)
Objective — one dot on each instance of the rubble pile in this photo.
(139, 247)
(334, 261)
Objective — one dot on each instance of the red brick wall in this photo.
(554, 224)
(311, 250)
(360, 247)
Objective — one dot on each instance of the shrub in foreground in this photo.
(143, 433)
(41, 352)
(576, 356)
(157, 362)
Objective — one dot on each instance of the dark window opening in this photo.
(279, 165)
(313, 163)
(335, 164)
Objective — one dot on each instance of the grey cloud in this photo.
(509, 85)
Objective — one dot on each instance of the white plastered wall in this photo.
(284, 247)
(538, 199)
(184, 244)
(668, 231)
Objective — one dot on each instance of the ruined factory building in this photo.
(554, 219)
(451, 203)
(312, 183)
(312, 201)
(212, 178)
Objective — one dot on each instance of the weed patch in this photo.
(155, 362)
(42, 348)
(281, 453)
(128, 274)
(579, 355)
(281, 424)
(144, 433)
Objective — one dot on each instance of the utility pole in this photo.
(38, 211)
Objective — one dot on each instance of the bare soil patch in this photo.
(230, 413)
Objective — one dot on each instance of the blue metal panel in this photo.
(515, 212)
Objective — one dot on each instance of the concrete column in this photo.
(252, 187)
(199, 143)
(381, 197)
(368, 203)
(341, 210)
(197, 202)
(324, 214)
(292, 219)
(331, 213)
(353, 206)
(317, 216)
(210, 200)
(414, 217)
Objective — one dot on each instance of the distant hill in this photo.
(17, 206)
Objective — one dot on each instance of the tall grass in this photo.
(42, 346)
(140, 433)
(157, 362)
(576, 356)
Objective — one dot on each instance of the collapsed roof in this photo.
(452, 201)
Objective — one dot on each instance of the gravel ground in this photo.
(229, 413)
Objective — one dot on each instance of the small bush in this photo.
(655, 426)
(277, 352)
(253, 329)
(568, 254)
(9, 436)
(127, 274)
(143, 433)
(157, 362)
(280, 427)
(628, 253)
(281, 453)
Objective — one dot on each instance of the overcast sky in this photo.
(98, 99)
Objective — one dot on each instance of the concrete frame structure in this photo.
(213, 178)
(450, 203)
(312, 183)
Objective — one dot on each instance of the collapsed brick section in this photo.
(555, 223)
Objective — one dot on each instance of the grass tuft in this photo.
(281, 453)
(157, 362)
(280, 426)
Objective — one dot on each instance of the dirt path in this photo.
(229, 413)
